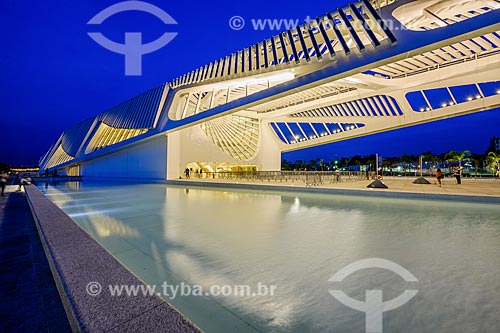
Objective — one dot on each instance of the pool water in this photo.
(296, 242)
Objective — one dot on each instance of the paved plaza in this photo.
(486, 187)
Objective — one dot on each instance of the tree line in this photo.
(489, 162)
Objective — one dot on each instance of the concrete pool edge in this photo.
(76, 260)
(338, 191)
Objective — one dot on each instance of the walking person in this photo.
(3, 181)
(439, 176)
(23, 182)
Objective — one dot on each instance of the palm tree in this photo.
(456, 156)
(299, 164)
(476, 159)
(405, 160)
(313, 165)
(285, 165)
(476, 162)
(355, 160)
(428, 158)
(493, 160)
(344, 162)
(387, 164)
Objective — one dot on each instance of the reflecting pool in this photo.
(296, 243)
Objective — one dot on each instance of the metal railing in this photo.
(309, 178)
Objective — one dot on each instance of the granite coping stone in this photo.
(76, 260)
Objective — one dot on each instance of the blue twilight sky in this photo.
(53, 75)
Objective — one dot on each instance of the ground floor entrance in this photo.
(209, 169)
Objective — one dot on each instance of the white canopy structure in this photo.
(356, 71)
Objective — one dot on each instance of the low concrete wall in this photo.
(77, 260)
(56, 179)
(339, 191)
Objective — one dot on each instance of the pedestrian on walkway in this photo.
(23, 182)
(439, 176)
(3, 181)
(458, 175)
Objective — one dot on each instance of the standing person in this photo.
(439, 176)
(3, 181)
(458, 175)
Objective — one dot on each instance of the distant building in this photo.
(494, 144)
(24, 169)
